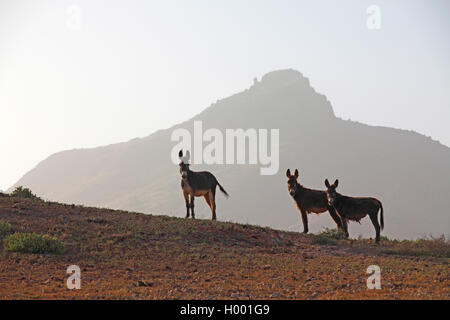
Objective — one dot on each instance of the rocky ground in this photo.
(124, 255)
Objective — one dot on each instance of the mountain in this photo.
(408, 172)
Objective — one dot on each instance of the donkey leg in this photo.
(374, 219)
(335, 217)
(192, 206)
(186, 199)
(206, 196)
(304, 220)
(212, 199)
(208, 201)
(344, 223)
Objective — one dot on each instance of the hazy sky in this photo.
(133, 67)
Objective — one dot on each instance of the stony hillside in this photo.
(135, 256)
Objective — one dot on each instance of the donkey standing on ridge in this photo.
(350, 208)
(197, 184)
(308, 200)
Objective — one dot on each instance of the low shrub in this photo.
(323, 240)
(33, 243)
(5, 229)
(21, 192)
(335, 234)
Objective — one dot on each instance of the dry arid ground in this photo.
(124, 255)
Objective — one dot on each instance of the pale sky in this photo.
(134, 67)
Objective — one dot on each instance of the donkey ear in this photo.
(336, 183)
(180, 154)
(327, 184)
(288, 173)
(296, 174)
(188, 155)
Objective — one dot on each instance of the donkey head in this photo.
(292, 181)
(331, 191)
(184, 164)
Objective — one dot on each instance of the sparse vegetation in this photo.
(5, 229)
(427, 246)
(33, 243)
(328, 237)
(323, 240)
(127, 255)
(335, 234)
(424, 247)
(21, 192)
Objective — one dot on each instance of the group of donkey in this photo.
(341, 208)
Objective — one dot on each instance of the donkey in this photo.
(197, 184)
(308, 200)
(350, 208)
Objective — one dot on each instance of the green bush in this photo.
(323, 240)
(328, 237)
(5, 228)
(335, 234)
(33, 243)
(21, 192)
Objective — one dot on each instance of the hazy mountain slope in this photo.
(408, 172)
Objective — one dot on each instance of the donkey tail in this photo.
(222, 189)
(381, 216)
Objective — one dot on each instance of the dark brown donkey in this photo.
(350, 208)
(308, 200)
(197, 184)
